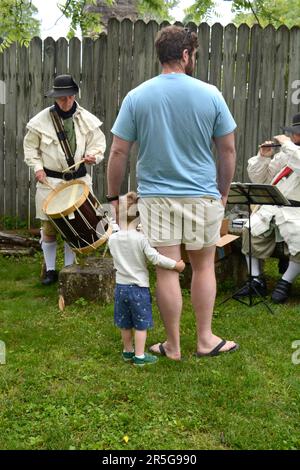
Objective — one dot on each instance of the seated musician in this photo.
(51, 157)
(274, 224)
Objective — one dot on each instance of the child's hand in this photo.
(180, 265)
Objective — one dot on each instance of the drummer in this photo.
(57, 138)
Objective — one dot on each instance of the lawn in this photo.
(64, 385)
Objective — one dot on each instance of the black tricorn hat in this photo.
(64, 85)
(295, 127)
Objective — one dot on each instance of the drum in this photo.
(78, 216)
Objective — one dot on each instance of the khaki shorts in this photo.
(193, 221)
(48, 229)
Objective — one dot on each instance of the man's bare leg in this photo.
(169, 301)
(203, 294)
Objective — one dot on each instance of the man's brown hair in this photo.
(171, 41)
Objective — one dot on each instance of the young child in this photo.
(133, 309)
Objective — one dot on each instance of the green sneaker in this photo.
(127, 356)
(148, 359)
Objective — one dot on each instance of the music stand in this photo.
(248, 194)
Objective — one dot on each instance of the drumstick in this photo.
(48, 184)
(72, 166)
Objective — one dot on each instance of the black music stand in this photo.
(248, 194)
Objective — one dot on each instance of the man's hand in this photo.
(266, 151)
(90, 159)
(282, 138)
(40, 176)
(179, 266)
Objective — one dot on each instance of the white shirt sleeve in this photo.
(263, 169)
(31, 151)
(156, 258)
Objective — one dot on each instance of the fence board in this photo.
(229, 64)
(87, 86)
(139, 57)
(216, 55)
(62, 56)
(112, 73)
(10, 118)
(48, 68)
(267, 84)
(240, 98)
(23, 90)
(203, 52)
(74, 59)
(280, 82)
(2, 93)
(152, 63)
(36, 102)
(100, 48)
(137, 78)
(126, 72)
(294, 68)
(252, 113)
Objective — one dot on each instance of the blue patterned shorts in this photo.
(133, 307)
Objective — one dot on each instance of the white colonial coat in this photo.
(264, 170)
(42, 148)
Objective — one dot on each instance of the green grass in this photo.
(64, 385)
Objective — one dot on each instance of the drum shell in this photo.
(78, 225)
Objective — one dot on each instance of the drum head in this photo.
(66, 198)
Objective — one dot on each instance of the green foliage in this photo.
(264, 12)
(89, 22)
(199, 11)
(80, 17)
(156, 9)
(8, 222)
(17, 22)
(261, 12)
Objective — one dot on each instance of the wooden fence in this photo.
(256, 69)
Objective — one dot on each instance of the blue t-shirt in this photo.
(173, 117)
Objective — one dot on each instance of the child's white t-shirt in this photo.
(130, 249)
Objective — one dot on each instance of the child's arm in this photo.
(160, 260)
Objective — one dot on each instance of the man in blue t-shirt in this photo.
(174, 118)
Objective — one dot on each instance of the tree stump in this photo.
(93, 280)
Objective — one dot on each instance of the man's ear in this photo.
(185, 55)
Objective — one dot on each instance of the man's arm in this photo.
(32, 155)
(117, 164)
(226, 163)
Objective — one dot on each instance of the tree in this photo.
(89, 15)
(17, 22)
(266, 12)
(262, 12)
(199, 11)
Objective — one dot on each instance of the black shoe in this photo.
(50, 278)
(258, 287)
(281, 292)
(283, 264)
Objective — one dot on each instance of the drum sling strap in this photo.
(66, 148)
